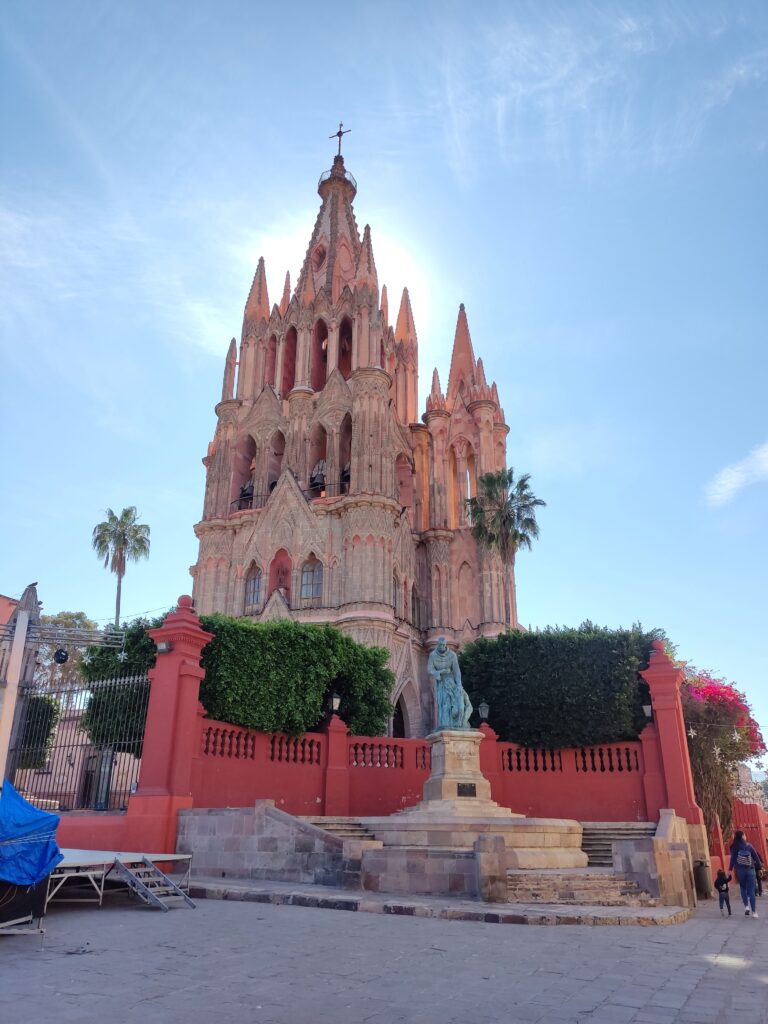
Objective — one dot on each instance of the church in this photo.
(327, 498)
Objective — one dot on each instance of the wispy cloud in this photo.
(602, 87)
(752, 469)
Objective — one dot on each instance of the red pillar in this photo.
(664, 679)
(336, 790)
(173, 727)
(654, 786)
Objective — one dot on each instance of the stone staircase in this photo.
(599, 836)
(342, 828)
(587, 887)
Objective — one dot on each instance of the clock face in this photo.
(60, 656)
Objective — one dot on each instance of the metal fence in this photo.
(79, 747)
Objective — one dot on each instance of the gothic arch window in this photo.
(280, 574)
(253, 588)
(415, 608)
(318, 358)
(470, 482)
(398, 720)
(345, 454)
(345, 348)
(501, 457)
(275, 459)
(316, 462)
(312, 581)
(243, 469)
(289, 361)
(270, 362)
(453, 498)
(395, 593)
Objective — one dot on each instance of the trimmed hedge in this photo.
(272, 676)
(561, 687)
(280, 676)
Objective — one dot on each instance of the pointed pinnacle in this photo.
(406, 329)
(308, 293)
(384, 306)
(284, 302)
(365, 272)
(257, 306)
(463, 357)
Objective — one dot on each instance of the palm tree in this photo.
(118, 540)
(503, 519)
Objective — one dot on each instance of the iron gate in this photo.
(79, 748)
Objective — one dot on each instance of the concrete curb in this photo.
(443, 910)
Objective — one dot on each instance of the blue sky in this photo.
(589, 179)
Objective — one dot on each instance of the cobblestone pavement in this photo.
(262, 964)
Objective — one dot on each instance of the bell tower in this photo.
(326, 499)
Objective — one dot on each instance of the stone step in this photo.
(343, 828)
(599, 889)
(598, 838)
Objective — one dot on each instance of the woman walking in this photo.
(746, 862)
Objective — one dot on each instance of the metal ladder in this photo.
(150, 884)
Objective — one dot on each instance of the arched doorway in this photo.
(398, 721)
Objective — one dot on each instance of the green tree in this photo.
(116, 714)
(136, 657)
(48, 674)
(503, 519)
(119, 540)
(41, 716)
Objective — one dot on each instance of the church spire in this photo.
(384, 307)
(463, 358)
(334, 247)
(257, 305)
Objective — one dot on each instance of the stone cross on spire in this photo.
(338, 135)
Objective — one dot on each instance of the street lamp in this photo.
(483, 709)
(335, 702)
(648, 711)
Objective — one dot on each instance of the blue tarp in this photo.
(28, 849)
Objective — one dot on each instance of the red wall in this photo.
(593, 784)
(192, 761)
(235, 766)
(752, 819)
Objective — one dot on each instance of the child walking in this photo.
(721, 884)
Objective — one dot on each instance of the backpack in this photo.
(744, 858)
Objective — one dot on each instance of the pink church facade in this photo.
(326, 499)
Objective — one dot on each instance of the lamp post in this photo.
(335, 703)
(483, 710)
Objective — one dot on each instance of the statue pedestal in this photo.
(455, 812)
(456, 786)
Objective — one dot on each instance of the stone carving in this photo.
(453, 704)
